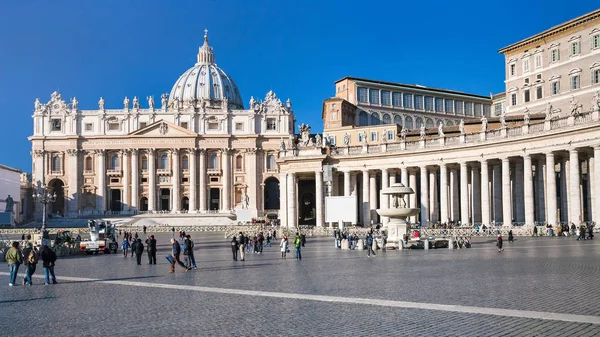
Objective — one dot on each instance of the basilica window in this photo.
(239, 163)
(164, 162)
(239, 126)
(526, 65)
(429, 123)
(418, 122)
(449, 105)
(469, 108)
(418, 102)
(114, 162)
(385, 97)
(478, 108)
(88, 164)
(56, 163)
(555, 87)
(56, 124)
(213, 125)
(513, 99)
(428, 103)
(408, 122)
(498, 109)
(408, 101)
(360, 137)
(554, 55)
(373, 96)
(271, 163)
(185, 163)
(396, 99)
(114, 126)
(271, 124)
(143, 125)
(144, 163)
(458, 107)
(390, 135)
(363, 95)
(89, 127)
(387, 119)
(184, 125)
(526, 96)
(538, 60)
(439, 104)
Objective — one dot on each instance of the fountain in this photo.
(397, 213)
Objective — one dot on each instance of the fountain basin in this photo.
(398, 212)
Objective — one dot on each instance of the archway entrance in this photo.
(185, 204)
(306, 202)
(144, 204)
(215, 195)
(271, 194)
(57, 208)
(115, 200)
(165, 199)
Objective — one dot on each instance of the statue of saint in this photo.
(484, 123)
(384, 136)
(101, 103)
(126, 102)
(422, 132)
(596, 101)
(74, 103)
(9, 204)
(318, 140)
(163, 100)
(245, 201)
(37, 105)
(526, 116)
(403, 134)
(503, 120)
(282, 145)
(136, 102)
(288, 104)
(441, 129)
(461, 127)
(346, 139)
(150, 102)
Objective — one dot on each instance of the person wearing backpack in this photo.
(125, 246)
(369, 242)
(14, 258)
(30, 259)
(48, 261)
(298, 244)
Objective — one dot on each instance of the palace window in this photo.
(164, 162)
(239, 126)
(56, 124)
(575, 48)
(55, 163)
(513, 99)
(113, 126)
(513, 69)
(497, 109)
(458, 107)
(429, 123)
(478, 109)
(390, 135)
(526, 95)
(418, 102)
(526, 65)
(213, 163)
(332, 140)
(360, 137)
(469, 108)
(439, 104)
(539, 92)
(408, 101)
(428, 103)
(595, 76)
(385, 97)
(449, 105)
(144, 163)
(398, 119)
(375, 119)
(185, 163)
(396, 99)
(88, 164)
(114, 162)
(363, 118)
(89, 127)
(486, 109)
(538, 60)
(595, 41)
(363, 95)
(213, 125)
(555, 86)
(575, 83)
(387, 119)
(554, 55)
(271, 124)
(408, 122)
(374, 136)
(373, 96)
(271, 163)
(239, 162)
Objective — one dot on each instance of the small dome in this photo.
(206, 81)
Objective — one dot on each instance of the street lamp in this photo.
(44, 197)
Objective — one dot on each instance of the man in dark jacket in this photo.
(48, 259)
(369, 244)
(175, 252)
(234, 248)
(30, 259)
(151, 247)
(139, 250)
(187, 252)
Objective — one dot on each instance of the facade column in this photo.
(125, 205)
(540, 172)
(596, 184)
(291, 202)
(151, 180)
(485, 193)
(506, 194)
(74, 191)
(528, 191)
(101, 191)
(366, 210)
(476, 194)
(193, 183)
(176, 183)
(135, 180)
(551, 190)
(454, 199)
(519, 207)
(497, 192)
(384, 198)
(202, 181)
(464, 193)
(226, 181)
(347, 189)
(575, 194)
(373, 196)
(283, 210)
(433, 200)
(412, 183)
(253, 172)
(443, 193)
(590, 198)
(354, 192)
(564, 191)
(424, 220)
(319, 196)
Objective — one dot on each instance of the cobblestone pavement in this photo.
(536, 287)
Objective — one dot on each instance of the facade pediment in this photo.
(163, 128)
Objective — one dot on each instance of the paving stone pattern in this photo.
(538, 274)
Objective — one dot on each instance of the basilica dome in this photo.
(205, 80)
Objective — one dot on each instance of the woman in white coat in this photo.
(284, 246)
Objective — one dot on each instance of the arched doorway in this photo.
(271, 193)
(165, 199)
(307, 209)
(115, 200)
(57, 208)
(144, 204)
(185, 204)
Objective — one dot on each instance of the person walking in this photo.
(175, 252)
(499, 244)
(48, 261)
(241, 240)
(284, 246)
(369, 244)
(30, 259)
(303, 238)
(187, 248)
(511, 238)
(191, 252)
(125, 245)
(298, 244)
(234, 248)
(139, 250)
(151, 248)
(14, 259)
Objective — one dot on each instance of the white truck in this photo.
(102, 238)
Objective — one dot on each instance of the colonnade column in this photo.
(202, 181)
(464, 194)
(366, 211)
(175, 207)
(226, 182)
(151, 180)
(135, 179)
(319, 196)
(485, 193)
(454, 202)
(564, 191)
(519, 208)
(506, 195)
(412, 182)
(101, 191)
(347, 191)
(497, 192)
(291, 200)
(384, 198)
(596, 183)
(551, 189)
(433, 201)
(476, 194)
(540, 172)
(283, 215)
(575, 196)
(528, 190)
(125, 205)
(373, 196)
(424, 197)
(443, 193)
(193, 173)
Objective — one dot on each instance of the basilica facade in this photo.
(529, 155)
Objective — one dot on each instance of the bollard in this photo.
(450, 243)
(426, 244)
(360, 245)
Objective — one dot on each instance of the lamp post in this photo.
(44, 196)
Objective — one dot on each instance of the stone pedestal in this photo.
(360, 245)
(396, 230)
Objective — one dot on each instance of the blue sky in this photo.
(117, 48)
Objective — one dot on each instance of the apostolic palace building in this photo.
(528, 155)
